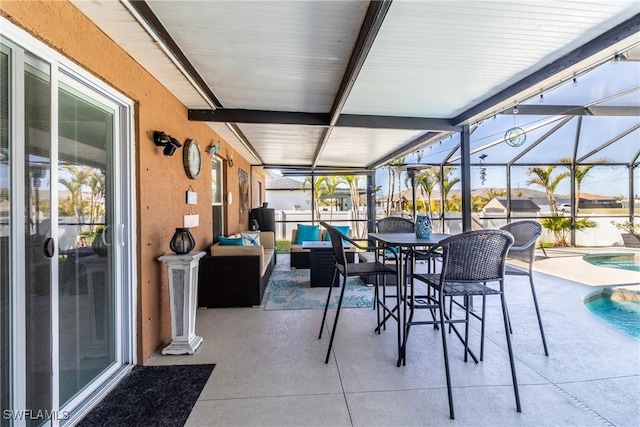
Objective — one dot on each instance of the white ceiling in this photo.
(405, 71)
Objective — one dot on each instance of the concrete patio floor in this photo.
(270, 368)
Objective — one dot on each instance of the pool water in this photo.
(624, 261)
(622, 314)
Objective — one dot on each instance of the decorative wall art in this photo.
(243, 179)
(483, 169)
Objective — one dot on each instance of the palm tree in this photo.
(427, 181)
(330, 185)
(319, 188)
(561, 227)
(390, 186)
(79, 178)
(96, 185)
(66, 207)
(74, 188)
(580, 173)
(445, 181)
(543, 176)
(352, 181)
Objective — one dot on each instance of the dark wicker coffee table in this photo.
(322, 263)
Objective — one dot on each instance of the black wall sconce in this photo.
(169, 143)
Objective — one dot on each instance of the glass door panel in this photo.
(37, 185)
(216, 197)
(5, 233)
(86, 237)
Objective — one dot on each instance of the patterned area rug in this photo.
(291, 290)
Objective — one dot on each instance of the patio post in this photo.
(371, 202)
(465, 176)
(411, 172)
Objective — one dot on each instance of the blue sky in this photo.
(598, 85)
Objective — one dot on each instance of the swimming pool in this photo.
(620, 309)
(624, 261)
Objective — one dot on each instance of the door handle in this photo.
(121, 235)
(104, 236)
(49, 247)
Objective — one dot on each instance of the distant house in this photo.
(283, 193)
(401, 200)
(398, 203)
(519, 206)
(589, 201)
(595, 201)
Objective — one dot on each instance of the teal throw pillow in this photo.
(307, 233)
(228, 241)
(344, 229)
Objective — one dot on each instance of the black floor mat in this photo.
(151, 396)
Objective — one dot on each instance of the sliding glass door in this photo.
(66, 264)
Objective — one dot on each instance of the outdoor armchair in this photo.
(394, 224)
(525, 235)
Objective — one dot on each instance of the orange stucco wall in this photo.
(161, 182)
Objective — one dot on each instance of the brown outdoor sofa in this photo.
(236, 276)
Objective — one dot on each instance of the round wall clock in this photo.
(191, 158)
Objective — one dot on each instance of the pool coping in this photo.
(616, 293)
(626, 256)
(568, 263)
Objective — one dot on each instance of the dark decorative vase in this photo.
(423, 227)
(182, 241)
(99, 243)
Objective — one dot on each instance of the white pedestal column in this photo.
(183, 293)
